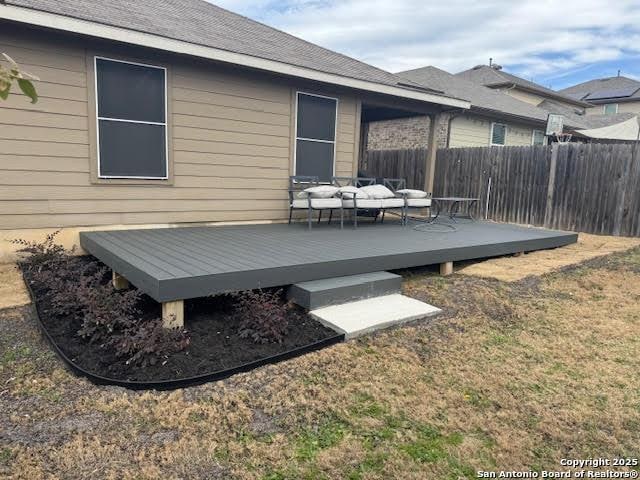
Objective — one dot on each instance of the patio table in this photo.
(454, 206)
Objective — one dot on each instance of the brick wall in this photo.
(406, 133)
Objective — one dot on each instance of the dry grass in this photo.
(513, 375)
(13, 292)
(510, 269)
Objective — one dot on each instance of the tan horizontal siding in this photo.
(43, 163)
(225, 100)
(47, 105)
(109, 192)
(53, 149)
(231, 148)
(188, 133)
(228, 159)
(226, 171)
(18, 116)
(229, 113)
(224, 125)
(43, 134)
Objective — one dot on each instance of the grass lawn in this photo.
(513, 375)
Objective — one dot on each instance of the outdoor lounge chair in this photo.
(300, 199)
(416, 199)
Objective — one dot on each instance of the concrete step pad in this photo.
(364, 316)
(334, 291)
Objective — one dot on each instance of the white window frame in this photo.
(493, 124)
(604, 108)
(533, 137)
(164, 124)
(335, 134)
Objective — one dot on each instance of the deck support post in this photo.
(118, 281)
(446, 268)
(173, 314)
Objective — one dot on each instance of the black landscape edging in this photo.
(182, 382)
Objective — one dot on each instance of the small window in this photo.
(538, 138)
(610, 108)
(498, 134)
(315, 135)
(131, 101)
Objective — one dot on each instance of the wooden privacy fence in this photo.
(591, 188)
(409, 164)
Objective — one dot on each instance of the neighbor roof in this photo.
(481, 97)
(492, 77)
(236, 39)
(578, 120)
(604, 90)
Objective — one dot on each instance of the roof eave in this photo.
(108, 32)
(542, 93)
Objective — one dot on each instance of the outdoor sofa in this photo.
(355, 194)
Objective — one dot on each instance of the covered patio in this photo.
(174, 264)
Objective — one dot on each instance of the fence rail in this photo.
(592, 188)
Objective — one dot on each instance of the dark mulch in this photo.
(215, 345)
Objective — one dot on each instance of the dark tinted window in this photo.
(316, 117)
(131, 92)
(498, 134)
(314, 158)
(132, 149)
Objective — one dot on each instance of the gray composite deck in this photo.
(188, 262)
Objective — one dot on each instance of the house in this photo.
(494, 77)
(498, 116)
(494, 118)
(608, 96)
(156, 113)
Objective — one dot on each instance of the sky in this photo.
(554, 43)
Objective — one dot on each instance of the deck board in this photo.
(188, 262)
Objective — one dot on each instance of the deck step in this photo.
(365, 316)
(334, 291)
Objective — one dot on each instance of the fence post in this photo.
(548, 213)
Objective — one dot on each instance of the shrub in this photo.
(78, 290)
(39, 254)
(149, 342)
(263, 315)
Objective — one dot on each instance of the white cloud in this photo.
(535, 38)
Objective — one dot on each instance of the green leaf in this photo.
(28, 89)
(4, 93)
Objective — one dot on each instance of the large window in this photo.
(131, 103)
(538, 138)
(315, 135)
(610, 108)
(498, 134)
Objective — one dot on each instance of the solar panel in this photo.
(612, 93)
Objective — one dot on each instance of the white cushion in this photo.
(364, 203)
(418, 202)
(321, 191)
(319, 203)
(392, 202)
(410, 193)
(377, 191)
(350, 191)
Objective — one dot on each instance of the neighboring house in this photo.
(494, 118)
(608, 95)
(492, 76)
(162, 113)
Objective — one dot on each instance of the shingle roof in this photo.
(480, 97)
(620, 88)
(490, 77)
(488, 100)
(201, 23)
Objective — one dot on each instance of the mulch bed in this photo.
(215, 345)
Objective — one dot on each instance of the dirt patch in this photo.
(215, 344)
(13, 292)
(514, 268)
